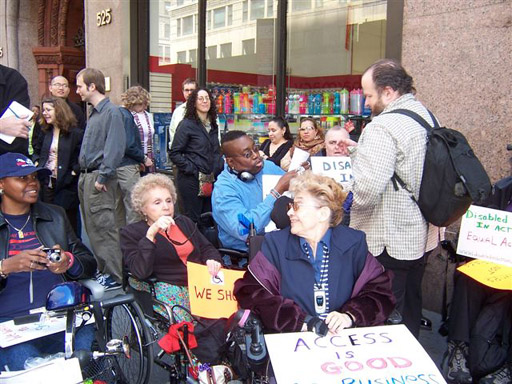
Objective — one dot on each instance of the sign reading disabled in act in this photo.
(339, 168)
(486, 234)
(212, 297)
(376, 355)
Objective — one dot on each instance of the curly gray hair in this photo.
(146, 184)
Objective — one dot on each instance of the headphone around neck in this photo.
(245, 176)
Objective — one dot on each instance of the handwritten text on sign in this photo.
(486, 234)
(339, 168)
(212, 297)
(376, 355)
(491, 274)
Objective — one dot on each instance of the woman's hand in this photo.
(213, 267)
(337, 321)
(26, 261)
(148, 162)
(61, 266)
(163, 222)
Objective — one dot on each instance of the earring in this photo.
(1, 191)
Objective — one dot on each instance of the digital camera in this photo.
(53, 255)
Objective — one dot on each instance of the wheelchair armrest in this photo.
(233, 253)
(97, 290)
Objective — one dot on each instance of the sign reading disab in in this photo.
(376, 355)
(486, 234)
(339, 168)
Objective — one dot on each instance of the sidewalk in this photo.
(432, 341)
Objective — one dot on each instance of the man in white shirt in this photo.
(188, 86)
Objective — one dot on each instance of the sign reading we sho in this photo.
(212, 297)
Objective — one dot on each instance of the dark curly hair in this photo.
(390, 73)
(191, 112)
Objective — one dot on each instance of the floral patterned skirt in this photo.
(168, 294)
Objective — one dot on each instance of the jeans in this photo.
(15, 356)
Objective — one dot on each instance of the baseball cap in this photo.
(16, 164)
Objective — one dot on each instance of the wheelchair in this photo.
(121, 351)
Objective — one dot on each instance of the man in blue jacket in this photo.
(237, 194)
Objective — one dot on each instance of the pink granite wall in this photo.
(459, 54)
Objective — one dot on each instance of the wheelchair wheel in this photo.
(126, 322)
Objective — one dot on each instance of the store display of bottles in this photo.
(244, 99)
(326, 102)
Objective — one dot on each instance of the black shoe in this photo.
(455, 364)
(501, 376)
(426, 323)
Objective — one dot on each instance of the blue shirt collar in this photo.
(326, 239)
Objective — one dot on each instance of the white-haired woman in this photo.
(316, 274)
(160, 245)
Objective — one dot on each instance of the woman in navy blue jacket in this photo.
(58, 151)
(316, 274)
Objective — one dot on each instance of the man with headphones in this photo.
(237, 194)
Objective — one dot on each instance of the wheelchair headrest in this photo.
(67, 295)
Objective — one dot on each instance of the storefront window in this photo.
(329, 46)
(330, 43)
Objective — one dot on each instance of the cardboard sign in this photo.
(212, 297)
(385, 354)
(337, 167)
(486, 234)
(490, 274)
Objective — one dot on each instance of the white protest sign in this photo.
(486, 234)
(337, 167)
(299, 156)
(269, 182)
(385, 354)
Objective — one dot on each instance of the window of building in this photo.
(167, 31)
(257, 9)
(167, 6)
(301, 5)
(188, 25)
(180, 2)
(182, 57)
(192, 56)
(225, 50)
(270, 8)
(230, 15)
(211, 52)
(245, 11)
(209, 20)
(219, 17)
(248, 47)
(178, 27)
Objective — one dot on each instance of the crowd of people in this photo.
(323, 270)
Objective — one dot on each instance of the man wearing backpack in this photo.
(393, 143)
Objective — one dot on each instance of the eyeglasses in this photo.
(60, 85)
(296, 206)
(203, 99)
(307, 129)
(250, 152)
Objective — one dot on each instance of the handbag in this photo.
(205, 184)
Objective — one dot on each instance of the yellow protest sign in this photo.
(493, 275)
(212, 297)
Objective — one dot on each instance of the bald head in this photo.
(334, 145)
(59, 87)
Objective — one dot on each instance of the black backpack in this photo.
(453, 177)
(490, 336)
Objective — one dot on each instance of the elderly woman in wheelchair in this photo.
(316, 275)
(39, 250)
(160, 245)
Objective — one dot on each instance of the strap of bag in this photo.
(397, 180)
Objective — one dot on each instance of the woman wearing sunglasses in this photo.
(311, 139)
(160, 245)
(316, 275)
